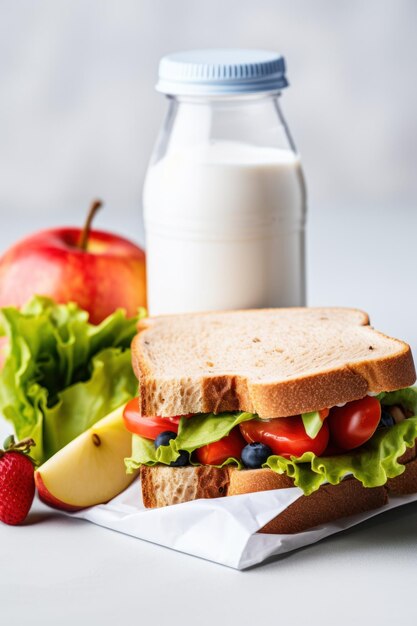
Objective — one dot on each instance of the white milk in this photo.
(225, 229)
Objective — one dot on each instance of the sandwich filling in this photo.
(365, 438)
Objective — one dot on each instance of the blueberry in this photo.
(386, 419)
(164, 438)
(183, 459)
(255, 454)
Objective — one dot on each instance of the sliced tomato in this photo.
(324, 413)
(219, 451)
(285, 436)
(353, 424)
(148, 427)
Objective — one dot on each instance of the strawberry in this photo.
(17, 483)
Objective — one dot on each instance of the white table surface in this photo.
(56, 570)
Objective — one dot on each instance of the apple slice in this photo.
(90, 469)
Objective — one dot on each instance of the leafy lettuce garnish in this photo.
(62, 374)
(372, 464)
(406, 398)
(193, 433)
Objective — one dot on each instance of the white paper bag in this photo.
(223, 530)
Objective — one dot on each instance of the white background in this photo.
(78, 112)
(78, 116)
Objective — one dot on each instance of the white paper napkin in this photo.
(223, 530)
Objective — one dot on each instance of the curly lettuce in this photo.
(62, 374)
(407, 398)
(372, 464)
(193, 433)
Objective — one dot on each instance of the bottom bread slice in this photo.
(162, 486)
(406, 483)
(329, 503)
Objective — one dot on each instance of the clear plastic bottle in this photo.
(224, 196)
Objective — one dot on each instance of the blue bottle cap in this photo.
(221, 72)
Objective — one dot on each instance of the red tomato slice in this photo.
(219, 451)
(148, 427)
(285, 436)
(353, 424)
(324, 413)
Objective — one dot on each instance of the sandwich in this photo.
(242, 401)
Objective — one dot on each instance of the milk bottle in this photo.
(224, 196)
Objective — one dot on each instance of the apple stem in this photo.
(95, 206)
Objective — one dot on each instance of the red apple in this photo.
(49, 499)
(89, 470)
(99, 271)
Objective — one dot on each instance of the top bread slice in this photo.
(271, 362)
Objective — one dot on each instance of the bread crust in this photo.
(329, 503)
(163, 485)
(234, 391)
(406, 483)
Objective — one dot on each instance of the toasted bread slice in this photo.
(163, 486)
(272, 362)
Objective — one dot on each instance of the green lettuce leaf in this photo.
(404, 397)
(144, 453)
(62, 374)
(372, 464)
(193, 433)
